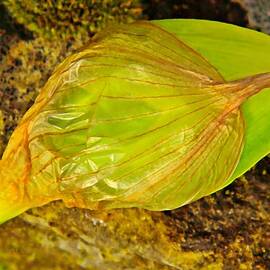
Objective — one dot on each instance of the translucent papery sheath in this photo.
(134, 119)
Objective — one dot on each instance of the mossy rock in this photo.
(257, 13)
(71, 18)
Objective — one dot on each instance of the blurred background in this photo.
(228, 230)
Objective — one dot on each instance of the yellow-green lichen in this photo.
(120, 239)
(71, 18)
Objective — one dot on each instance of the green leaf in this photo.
(236, 52)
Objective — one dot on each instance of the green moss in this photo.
(82, 239)
(65, 18)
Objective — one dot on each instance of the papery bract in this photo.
(134, 119)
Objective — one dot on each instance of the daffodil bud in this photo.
(136, 118)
